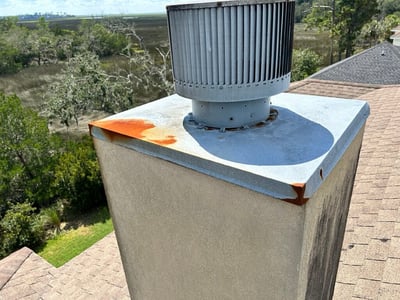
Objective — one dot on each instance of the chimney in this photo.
(211, 197)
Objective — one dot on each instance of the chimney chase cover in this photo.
(229, 57)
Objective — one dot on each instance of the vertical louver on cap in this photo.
(231, 51)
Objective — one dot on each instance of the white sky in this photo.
(82, 7)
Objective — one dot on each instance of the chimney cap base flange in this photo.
(228, 115)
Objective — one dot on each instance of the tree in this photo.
(26, 155)
(377, 31)
(305, 62)
(85, 86)
(42, 43)
(148, 71)
(343, 19)
(302, 7)
(8, 59)
(388, 7)
(98, 38)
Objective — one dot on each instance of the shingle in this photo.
(361, 235)
(372, 270)
(348, 274)
(366, 289)
(343, 291)
(378, 249)
(355, 255)
(389, 292)
(394, 251)
(392, 271)
(383, 230)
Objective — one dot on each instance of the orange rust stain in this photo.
(170, 139)
(130, 127)
(300, 189)
(135, 128)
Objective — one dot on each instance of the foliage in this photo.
(8, 59)
(100, 40)
(77, 177)
(19, 227)
(39, 45)
(388, 7)
(343, 19)
(26, 155)
(68, 244)
(36, 172)
(51, 217)
(377, 31)
(305, 62)
(85, 86)
(301, 10)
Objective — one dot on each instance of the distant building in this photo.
(396, 36)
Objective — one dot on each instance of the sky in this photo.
(82, 7)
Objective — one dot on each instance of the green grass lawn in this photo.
(83, 234)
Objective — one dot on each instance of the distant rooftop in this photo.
(377, 65)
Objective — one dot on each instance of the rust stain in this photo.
(170, 139)
(134, 128)
(131, 127)
(300, 189)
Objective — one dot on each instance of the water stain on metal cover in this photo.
(135, 128)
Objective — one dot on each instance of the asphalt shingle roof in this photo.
(370, 260)
(369, 266)
(96, 273)
(377, 65)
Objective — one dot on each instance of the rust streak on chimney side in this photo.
(300, 189)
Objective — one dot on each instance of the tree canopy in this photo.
(26, 154)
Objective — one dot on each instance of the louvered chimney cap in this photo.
(231, 51)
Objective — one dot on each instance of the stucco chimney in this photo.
(256, 210)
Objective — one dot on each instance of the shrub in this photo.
(77, 177)
(305, 63)
(51, 218)
(20, 227)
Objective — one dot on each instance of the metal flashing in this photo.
(302, 145)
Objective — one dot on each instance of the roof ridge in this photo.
(12, 263)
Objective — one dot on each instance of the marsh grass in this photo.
(312, 39)
(31, 84)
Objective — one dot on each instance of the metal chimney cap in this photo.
(228, 53)
(212, 4)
